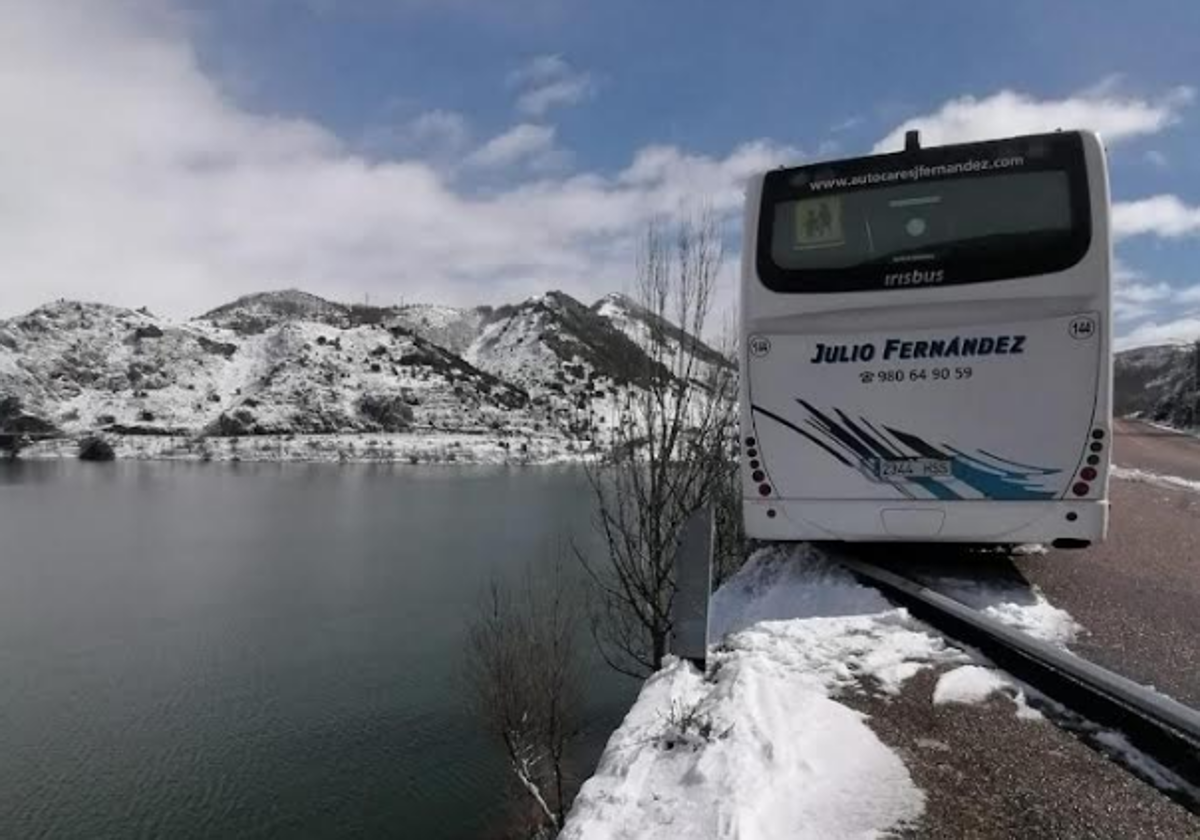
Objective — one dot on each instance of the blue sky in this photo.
(180, 152)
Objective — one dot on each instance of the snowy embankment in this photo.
(760, 747)
(405, 448)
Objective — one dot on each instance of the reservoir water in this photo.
(236, 650)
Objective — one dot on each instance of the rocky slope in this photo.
(643, 327)
(1158, 383)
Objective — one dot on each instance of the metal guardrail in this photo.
(1164, 729)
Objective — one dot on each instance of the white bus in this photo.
(926, 345)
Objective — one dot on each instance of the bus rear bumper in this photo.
(932, 521)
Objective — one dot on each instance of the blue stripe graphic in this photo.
(865, 446)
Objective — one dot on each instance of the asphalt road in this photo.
(1138, 594)
(987, 774)
(1151, 448)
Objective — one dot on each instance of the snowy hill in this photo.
(569, 358)
(83, 365)
(553, 339)
(244, 370)
(286, 363)
(1158, 383)
(255, 313)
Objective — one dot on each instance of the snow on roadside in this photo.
(1170, 482)
(1193, 432)
(968, 684)
(760, 747)
(1014, 602)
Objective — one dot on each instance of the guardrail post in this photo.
(693, 585)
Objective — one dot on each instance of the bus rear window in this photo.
(835, 230)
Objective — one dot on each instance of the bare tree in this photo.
(523, 667)
(670, 447)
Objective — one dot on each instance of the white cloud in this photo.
(447, 127)
(828, 148)
(1145, 292)
(1157, 159)
(547, 82)
(437, 135)
(1147, 311)
(1134, 297)
(1134, 301)
(1137, 298)
(680, 176)
(1177, 331)
(1162, 215)
(524, 143)
(1008, 114)
(539, 70)
(129, 177)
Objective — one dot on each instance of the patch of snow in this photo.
(790, 583)
(1015, 603)
(1170, 482)
(768, 751)
(968, 684)
(782, 762)
(1161, 777)
(1174, 429)
(1024, 710)
(1041, 619)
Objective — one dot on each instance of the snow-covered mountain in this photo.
(645, 329)
(1158, 383)
(264, 367)
(553, 341)
(574, 363)
(293, 363)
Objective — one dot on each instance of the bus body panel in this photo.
(865, 425)
(967, 522)
(1001, 412)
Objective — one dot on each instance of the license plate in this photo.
(902, 469)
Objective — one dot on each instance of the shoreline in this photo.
(351, 448)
